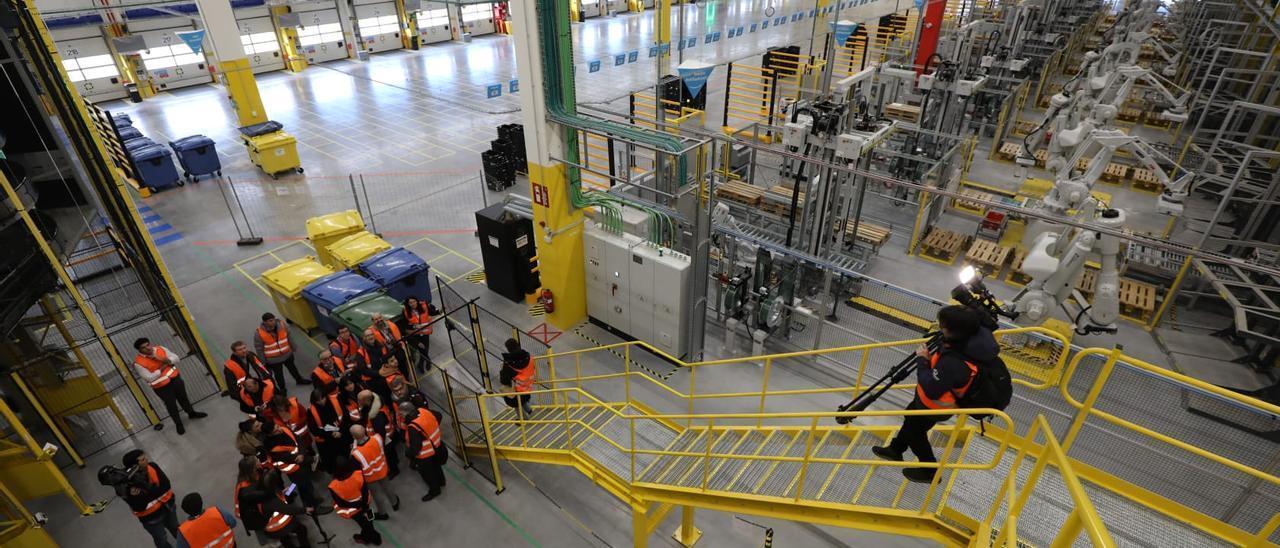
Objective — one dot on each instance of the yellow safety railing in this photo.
(1037, 356)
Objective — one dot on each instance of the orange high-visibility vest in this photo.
(156, 503)
(289, 466)
(349, 497)
(324, 375)
(427, 425)
(268, 391)
(419, 319)
(275, 344)
(377, 334)
(948, 399)
(158, 363)
(278, 521)
(342, 349)
(208, 530)
(239, 486)
(297, 419)
(523, 380)
(239, 372)
(373, 461)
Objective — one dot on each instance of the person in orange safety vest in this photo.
(243, 364)
(417, 319)
(254, 397)
(368, 449)
(425, 447)
(387, 335)
(943, 376)
(150, 497)
(517, 373)
(271, 340)
(205, 528)
(158, 367)
(351, 500)
(327, 372)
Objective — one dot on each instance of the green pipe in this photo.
(556, 46)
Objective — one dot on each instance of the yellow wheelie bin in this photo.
(326, 229)
(286, 283)
(352, 250)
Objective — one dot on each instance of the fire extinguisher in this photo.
(548, 301)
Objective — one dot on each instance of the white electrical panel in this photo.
(637, 288)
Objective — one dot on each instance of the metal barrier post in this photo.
(1087, 406)
(568, 431)
(252, 239)
(808, 454)
(481, 357)
(764, 389)
(373, 220)
(1070, 530)
(946, 458)
(488, 441)
(551, 369)
(687, 535)
(457, 421)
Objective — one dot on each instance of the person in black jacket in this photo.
(150, 497)
(284, 518)
(943, 376)
(249, 497)
(425, 447)
(515, 361)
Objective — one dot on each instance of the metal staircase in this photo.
(1012, 484)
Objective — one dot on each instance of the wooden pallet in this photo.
(1131, 115)
(987, 254)
(1082, 164)
(1115, 173)
(1154, 120)
(971, 206)
(780, 204)
(1137, 299)
(871, 233)
(1145, 179)
(1088, 282)
(1016, 275)
(942, 245)
(902, 112)
(1041, 156)
(743, 193)
(1022, 128)
(1009, 151)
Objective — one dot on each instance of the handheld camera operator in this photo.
(146, 489)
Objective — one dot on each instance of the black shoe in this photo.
(430, 496)
(356, 538)
(323, 509)
(395, 506)
(180, 428)
(197, 415)
(381, 517)
(920, 475)
(886, 453)
(158, 426)
(301, 381)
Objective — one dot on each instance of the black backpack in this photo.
(992, 387)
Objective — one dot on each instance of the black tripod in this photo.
(896, 374)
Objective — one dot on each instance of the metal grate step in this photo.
(660, 466)
(776, 445)
(731, 442)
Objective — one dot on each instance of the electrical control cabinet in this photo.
(637, 289)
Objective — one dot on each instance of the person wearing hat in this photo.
(271, 340)
(205, 528)
(151, 498)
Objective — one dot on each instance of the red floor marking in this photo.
(545, 333)
(385, 234)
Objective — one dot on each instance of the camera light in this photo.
(968, 274)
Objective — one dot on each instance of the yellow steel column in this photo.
(639, 526)
(48, 420)
(408, 26)
(687, 534)
(237, 74)
(90, 317)
(294, 59)
(662, 24)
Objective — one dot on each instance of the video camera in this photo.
(973, 294)
(121, 479)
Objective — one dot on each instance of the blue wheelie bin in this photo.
(121, 120)
(133, 145)
(197, 155)
(155, 167)
(128, 133)
(333, 291)
(401, 272)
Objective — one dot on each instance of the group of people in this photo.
(362, 420)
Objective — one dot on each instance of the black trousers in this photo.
(302, 478)
(293, 536)
(914, 434)
(422, 345)
(162, 523)
(367, 531)
(174, 395)
(392, 452)
(277, 371)
(432, 469)
(518, 401)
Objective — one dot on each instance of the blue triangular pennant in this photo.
(695, 74)
(194, 39)
(843, 30)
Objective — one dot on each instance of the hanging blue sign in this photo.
(593, 66)
(740, 27)
(843, 30)
(920, 5)
(753, 27)
(692, 41)
(813, 13)
(764, 24)
(194, 39)
(695, 74)
(665, 48)
(653, 51)
(513, 86)
(707, 39)
(715, 36)
(633, 56)
(796, 17)
(619, 59)
(494, 90)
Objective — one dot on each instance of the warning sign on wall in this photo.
(540, 195)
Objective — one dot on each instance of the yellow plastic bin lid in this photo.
(354, 249)
(272, 140)
(291, 277)
(334, 224)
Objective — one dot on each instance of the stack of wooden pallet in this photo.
(738, 191)
(1009, 150)
(871, 233)
(1137, 299)
(988, 255)
(942, 244)
(1145, 179)
(1115, 173)
(902, 112)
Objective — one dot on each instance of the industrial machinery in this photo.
(508, 247)
(638, 289)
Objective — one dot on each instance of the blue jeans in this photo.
(162, 524)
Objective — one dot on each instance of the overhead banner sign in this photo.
(843, 30)
(194, 39)
(695, 74)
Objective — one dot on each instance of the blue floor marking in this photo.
(151, 218)
(168, 238)
(160, 228)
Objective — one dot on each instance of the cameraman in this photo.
(943, 376)
(149, 495)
